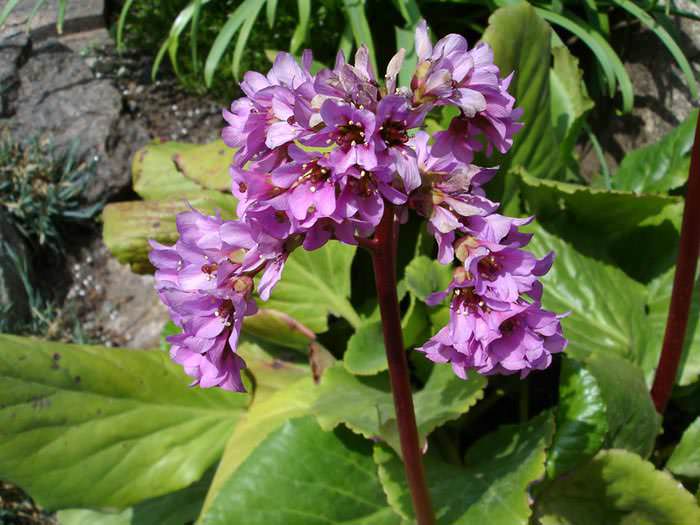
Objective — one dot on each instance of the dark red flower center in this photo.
(488, 267)
(394, 133)
(350, 134)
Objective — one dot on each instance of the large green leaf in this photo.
(581, 421)
(205, 164)
(155, 175)
(617, 488)
(86, 426)
(265, 415)
(607, 213)
(365, 353)
(521, 42)
(661, 166)
(366, 406)
(491, 488)
(659, 300)
(176, 508)
(302, 475)
(685, 460)
(315, 284)
(607, 307)
(127, 226)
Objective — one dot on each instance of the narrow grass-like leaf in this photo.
(271, 10)
(9, 6)
(242, 39)
(667, 40)
(61, 15)
(357, 18)
(302, 29)
(612, 65)
(121, 23)
(227, 32)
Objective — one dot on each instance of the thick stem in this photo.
(683, 282)
(384, 262)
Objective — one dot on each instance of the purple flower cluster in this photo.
(319, 157)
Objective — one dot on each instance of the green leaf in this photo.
(271, 372)
(127, 226)
(491, 488)
(302, 29)
(685, 460)
(265, 415)
(661, 166)
(242, 40)
(205, 164)
(570, 101)
(315, 284)
(86, 426)
(581, 421)
(617, 488)
(425, 276)
(176, 508)
(176, 169)
(357, 20)
(607, 213)
(303, 475)
(278, 328)
(521, 42)
(607, 307)
(658, 303)
(366, 406)
(633, 422)
(246, 9)
(365, 353)
(7, 9)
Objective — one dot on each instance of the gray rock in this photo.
(14, 303)
(14, 50)
(58, 97)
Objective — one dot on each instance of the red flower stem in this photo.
(383, 252)
(688, 250)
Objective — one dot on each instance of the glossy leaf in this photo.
(302, 475)
(127, 226)
(633, 422)
(315, 284)
(581, 421)
(661, 166)
(366, 406)
(176, 508)
(271, 372)
(86, 426)
(685, 460)
(265, 415)
(617, 488)
(659, 301)
(607, 307)
(491, 488)
(425, 276)
(520, 39)
(605, 212)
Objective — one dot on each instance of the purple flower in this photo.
(520, 338)
(320, 158)
(201, 281)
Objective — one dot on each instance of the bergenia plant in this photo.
(342, 156)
